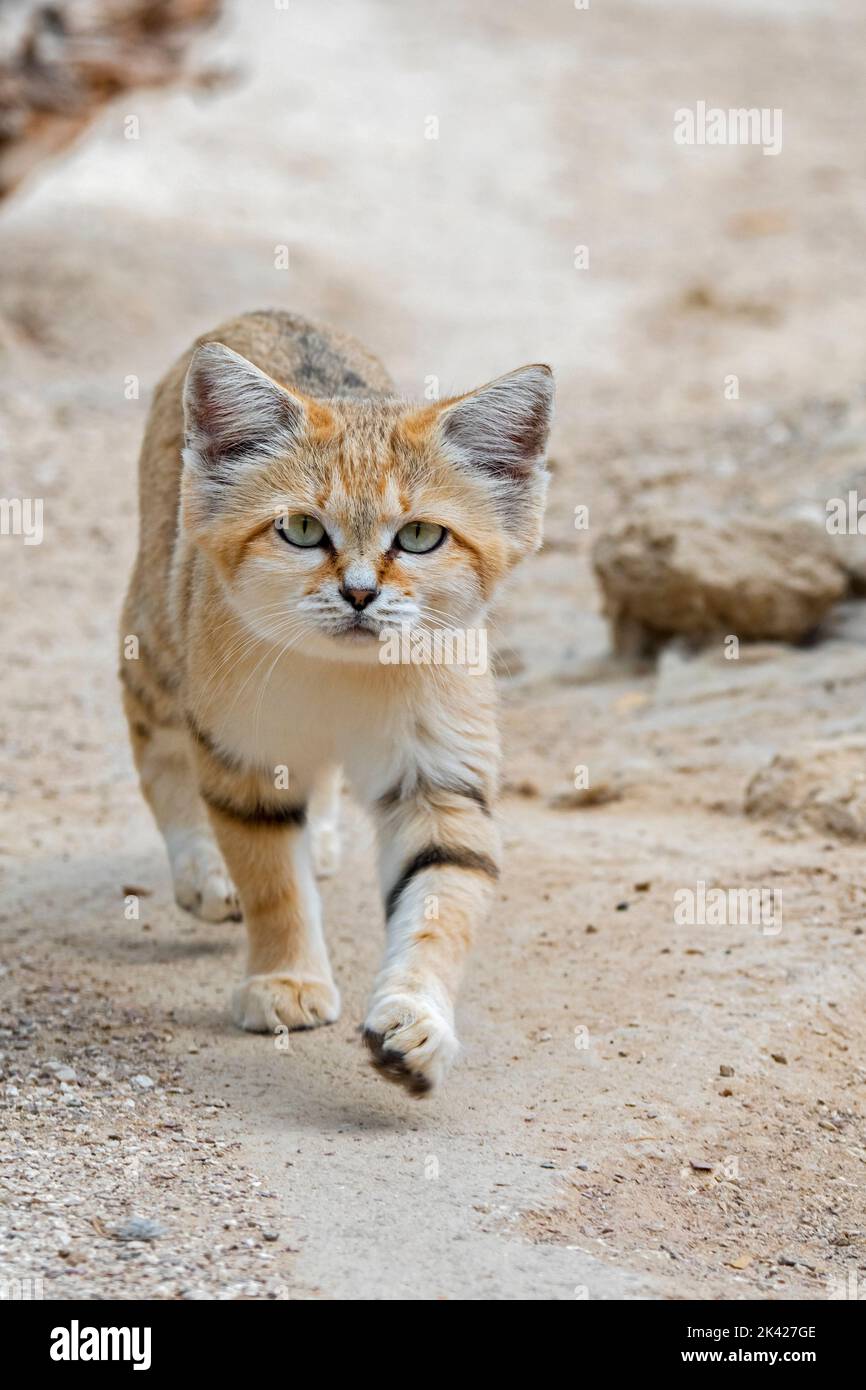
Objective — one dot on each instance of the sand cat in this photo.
(295, 514)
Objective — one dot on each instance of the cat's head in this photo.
(331, 522)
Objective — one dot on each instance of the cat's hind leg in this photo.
(161, 748)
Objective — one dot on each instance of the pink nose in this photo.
(359, 598)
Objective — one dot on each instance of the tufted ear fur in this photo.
(498, 434)
(235, 415)
(503, 426)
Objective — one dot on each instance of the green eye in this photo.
(302, 530)
(420, 536)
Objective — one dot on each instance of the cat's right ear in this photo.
(235, 415)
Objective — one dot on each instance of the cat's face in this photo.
(333, 523)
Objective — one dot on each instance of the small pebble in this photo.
(139, 1228)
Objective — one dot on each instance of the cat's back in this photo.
(317, 359)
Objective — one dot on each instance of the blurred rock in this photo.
(60, 62)
(670, 573)
(845, 544)
(821, 785)
(599, 794)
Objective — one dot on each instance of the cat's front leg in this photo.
(440, 858)
(265, 841)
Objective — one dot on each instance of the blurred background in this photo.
(432, 169)
(468, 187)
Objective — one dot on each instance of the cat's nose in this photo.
(359, 598)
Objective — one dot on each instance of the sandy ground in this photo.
(589, 1144)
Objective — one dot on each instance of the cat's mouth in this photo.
(359, 627)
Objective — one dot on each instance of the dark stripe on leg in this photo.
(258, 813)
(442, 856)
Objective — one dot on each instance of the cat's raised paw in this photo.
(201, 882)
(264, 1003)
(411, 1041)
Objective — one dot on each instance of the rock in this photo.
(599, 794)
(819, 785)
(838, 520)
(143, 1082)
(848, 550)
(725, 1070)
(522, 787)
(681, 574)
(139, 1228)
(60, 63)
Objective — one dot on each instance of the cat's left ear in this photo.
(502, 427)
(496, 437)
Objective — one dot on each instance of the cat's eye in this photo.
(420, 536)
(299, 529)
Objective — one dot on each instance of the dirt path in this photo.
(589, 1145)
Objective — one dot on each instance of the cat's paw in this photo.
(264, 1003)
(326, 848)
(201, 881)
(412, 1041)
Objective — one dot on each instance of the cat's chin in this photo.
(357, 645)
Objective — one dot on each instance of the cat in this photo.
(294, 512)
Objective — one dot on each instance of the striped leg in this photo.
(439, 861)
(265, 840)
